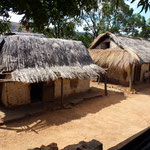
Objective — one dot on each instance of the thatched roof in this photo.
(33, 59)
(25, 34)
(139, 46)
(113, 58)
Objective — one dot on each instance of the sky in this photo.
(137, 10)
(17, 18)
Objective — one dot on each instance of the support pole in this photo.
(105, 83)
(62, 92)
(98, 79)
(130, 79)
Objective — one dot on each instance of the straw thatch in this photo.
(32, 59)
(138, 46)
(113, 58)
(25, 34)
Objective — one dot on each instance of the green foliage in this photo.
(120, 19)
(59, 18)
(145, 29)
(61, 29)
(39, 13)
(86, 38)
(4, 26)
(145, 4)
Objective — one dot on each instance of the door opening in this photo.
(137, 73)
(36, 92)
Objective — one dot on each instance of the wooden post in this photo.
(62, 92)
(105, 83)
(130, 78)
(99, 79)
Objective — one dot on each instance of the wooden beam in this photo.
(130, 78)
(7, 80)
(105, 83)
(62, 92)
(4, 73)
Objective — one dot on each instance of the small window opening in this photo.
(105, 45)
(36, 92)
(73, 83)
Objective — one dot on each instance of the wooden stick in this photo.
(62, 92)
(130, 78)
(4, 73)
(7, 80)
(105, 83)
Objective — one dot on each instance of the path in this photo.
(110, 120)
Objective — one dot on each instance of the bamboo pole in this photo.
(130, 78)
(105, 84)
(62, 92)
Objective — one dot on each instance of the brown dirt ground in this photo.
(110, 119)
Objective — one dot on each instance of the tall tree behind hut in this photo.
(114, 18)
(39, 13)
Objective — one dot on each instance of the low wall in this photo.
(15, 94)
(71, 87)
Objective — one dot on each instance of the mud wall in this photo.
(71, 87)
(15, 94)
(144, 67)
(48, 91)
(120, 76)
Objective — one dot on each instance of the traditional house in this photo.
(42, 69)
(127, 58)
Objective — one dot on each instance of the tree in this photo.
(107, 17)
(61, 29)
(145, 4)
(145, 29)
(38, 13)
(86, 38)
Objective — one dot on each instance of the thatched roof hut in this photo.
(112, 58)
(32, 59)
(138, 49)
(122, 54)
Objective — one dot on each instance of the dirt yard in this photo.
(110, 120)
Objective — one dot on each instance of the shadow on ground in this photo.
(49, 118)
(142, 88)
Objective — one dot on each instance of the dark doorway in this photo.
(137, 73)
(36, 92)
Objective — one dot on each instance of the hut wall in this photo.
(1, 86)
(66, 88)
(48, 91)
(120, 76)
(83, 85)
(144, 67)
(113, 45)
(57, 93)
(71, 87)
(15, 94)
